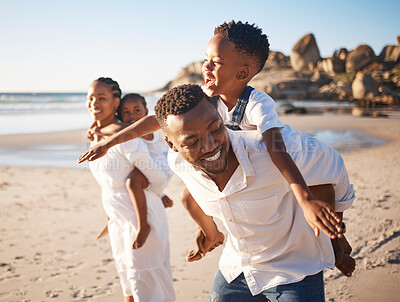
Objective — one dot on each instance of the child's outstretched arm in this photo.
(319, 215)
(144, 126)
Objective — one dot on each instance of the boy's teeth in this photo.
(216, 156)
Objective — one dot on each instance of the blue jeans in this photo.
(310, 289)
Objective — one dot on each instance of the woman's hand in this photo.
(94, 152)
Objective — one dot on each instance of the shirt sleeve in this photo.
(262, 112)
(136, 152)
(321, 164)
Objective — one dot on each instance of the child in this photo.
(132, 108)
(145, 274)
(236, 53)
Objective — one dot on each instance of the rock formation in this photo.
(304, 52)
(362, 85)
(360, 57)
(346, 76)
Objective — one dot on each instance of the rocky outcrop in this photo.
(332, 65)
(346, 76)
(189, 74)
(334, 91)
(363, 85)
(304, 53)
(360, 57)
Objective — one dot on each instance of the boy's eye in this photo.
(216, 130)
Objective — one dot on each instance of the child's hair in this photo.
(177, 101)
(248, 40)
(130, 96)
(116, 91)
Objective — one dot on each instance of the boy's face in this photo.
(222, 66)
(132, 110)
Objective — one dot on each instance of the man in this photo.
(270, 252)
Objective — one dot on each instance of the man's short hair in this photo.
(248, 40)
(178, 100)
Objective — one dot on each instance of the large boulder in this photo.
(390, 53)
(360, 57)
(362, 85)
(304, 53)
(277, 58)
(190, 74)
(341, 54)
(332, 65)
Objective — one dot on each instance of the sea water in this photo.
(24, 113)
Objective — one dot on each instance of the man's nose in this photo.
(209, 143)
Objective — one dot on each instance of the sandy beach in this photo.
(50, 217)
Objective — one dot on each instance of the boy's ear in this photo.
(244, 73)
(170, 144)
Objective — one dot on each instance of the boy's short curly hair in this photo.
(178, 100)
(248, 40)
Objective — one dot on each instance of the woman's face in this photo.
(101, 103)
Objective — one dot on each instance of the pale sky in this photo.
(62, 46)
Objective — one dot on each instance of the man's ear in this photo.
(170, 144)
(244, 73)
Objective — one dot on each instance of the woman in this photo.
(145, 273)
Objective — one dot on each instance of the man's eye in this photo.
(191, 144)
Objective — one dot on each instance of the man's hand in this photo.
(141, 237)
(320, 216)
(94, 152)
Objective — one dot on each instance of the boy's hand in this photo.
(94, 152)
(167, 202)
(204, 245)
(141, 237)
(320, 216)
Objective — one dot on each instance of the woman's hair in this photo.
(127, 97)
(116, 91)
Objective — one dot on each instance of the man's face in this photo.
(200, 136)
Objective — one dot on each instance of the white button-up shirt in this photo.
(269, 239)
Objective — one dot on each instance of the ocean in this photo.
(24, 113)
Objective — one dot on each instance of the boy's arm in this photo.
(142, 127)
(319, 215)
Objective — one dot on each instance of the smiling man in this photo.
(271, 252)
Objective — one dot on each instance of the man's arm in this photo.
(140, 128)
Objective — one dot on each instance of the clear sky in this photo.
(62, 46)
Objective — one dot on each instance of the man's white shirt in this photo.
(269, 239)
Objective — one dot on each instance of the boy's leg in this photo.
(136, 183)
(212, 236)
(343, 261)
(236, 291)
(310, 289)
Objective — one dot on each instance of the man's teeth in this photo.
(216, 156)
